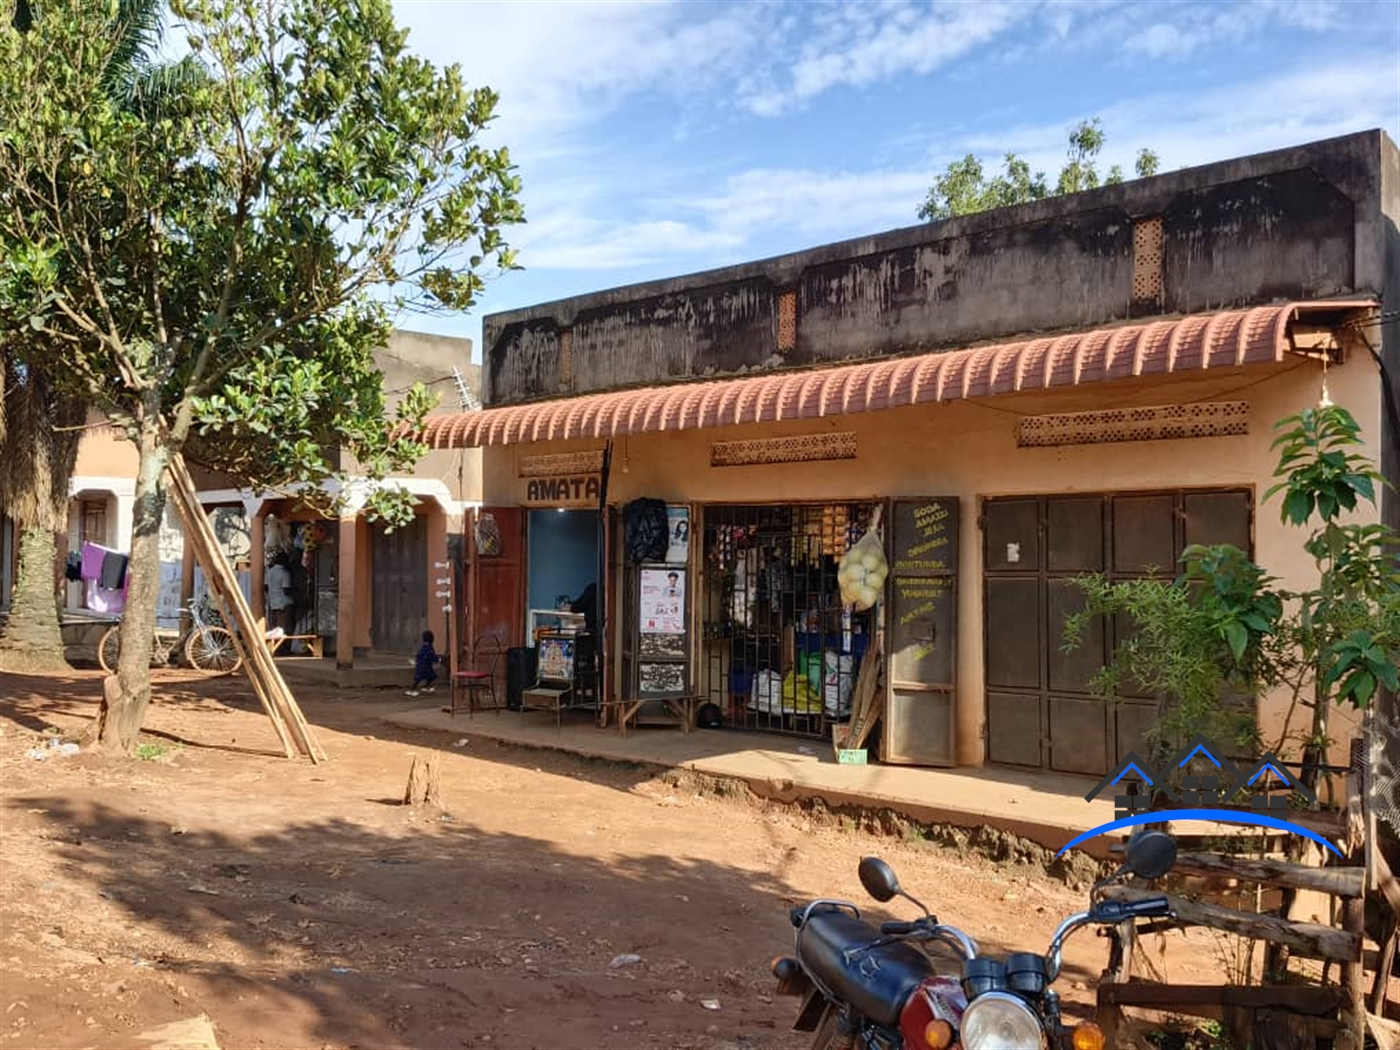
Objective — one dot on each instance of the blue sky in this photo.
(656, 139)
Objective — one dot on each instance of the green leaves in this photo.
(1320, 475)
(1358, 663)
(1225, 628)
(964, 188)
(223, 234)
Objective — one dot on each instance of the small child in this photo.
(423, 666)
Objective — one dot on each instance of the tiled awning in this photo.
(1221, 340)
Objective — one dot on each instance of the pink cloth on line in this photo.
(101, 600)
(92, 561)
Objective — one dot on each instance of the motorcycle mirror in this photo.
(879, 879)
(1150, 854)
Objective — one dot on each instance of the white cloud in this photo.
(813, 204)
(1197, 127)
(1192, 27)
(858, 45)
(799, 207)
(561, 67)
(571, 242)
(1161, 40)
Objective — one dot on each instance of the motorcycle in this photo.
(869, 989)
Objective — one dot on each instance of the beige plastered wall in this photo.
(104, 451)
(968, 449)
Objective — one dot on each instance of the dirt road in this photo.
(302, 906)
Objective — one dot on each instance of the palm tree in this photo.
(38, 420)
(40, 425)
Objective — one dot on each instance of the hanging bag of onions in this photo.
(862, 572)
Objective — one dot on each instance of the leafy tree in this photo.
(40, 421)
(206, 279)
(964, 187)
(1224, 628)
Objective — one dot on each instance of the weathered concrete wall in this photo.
(420, 357)
(1305, 222)
(1386, 336)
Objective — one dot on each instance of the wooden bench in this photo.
(314, 642)
(681, 707)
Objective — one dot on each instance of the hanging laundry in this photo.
(93, 554)
(101, 600)
(98, 567)
(73, 566)
(113, 576)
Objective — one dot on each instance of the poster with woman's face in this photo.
(678, 535)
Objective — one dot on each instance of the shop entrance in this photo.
(779, 652)
(563, 561)
(399, 582)
(1041, 711)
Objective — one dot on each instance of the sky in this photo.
(661, 138)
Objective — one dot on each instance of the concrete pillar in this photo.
(969, 698)
(345, 594)
(125, 505)
(436, 522)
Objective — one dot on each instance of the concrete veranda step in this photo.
(1047, 808)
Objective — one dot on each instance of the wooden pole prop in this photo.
(287, 718)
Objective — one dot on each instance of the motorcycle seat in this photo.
(875, 983)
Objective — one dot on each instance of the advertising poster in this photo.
(678, 533)
(662, 601)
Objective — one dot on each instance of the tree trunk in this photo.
(123, 709)
(32, 642)
(424, 782)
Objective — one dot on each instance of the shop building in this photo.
(1082, 384)
(359, 590)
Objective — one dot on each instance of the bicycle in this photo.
(208, 647)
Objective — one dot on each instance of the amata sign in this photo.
(567, 490)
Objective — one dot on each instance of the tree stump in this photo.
(424, 782)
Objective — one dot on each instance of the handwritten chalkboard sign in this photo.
(921, 630)
(925, 537)
(921, 622)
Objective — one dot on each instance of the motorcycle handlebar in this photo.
(1118, 911)
(898, 929)
(1105, 913)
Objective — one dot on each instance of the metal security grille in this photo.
(780, 653)
(1378, 760)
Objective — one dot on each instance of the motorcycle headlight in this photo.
(1000, 1021)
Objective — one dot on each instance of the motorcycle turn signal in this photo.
(1088, 1036)
(938, 1035)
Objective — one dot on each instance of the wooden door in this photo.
(498, 585)
(399, 587)
(921, 633)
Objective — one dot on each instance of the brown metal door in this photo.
(498, 591)
(1041, 710)
(399, 588)
(921, 628)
